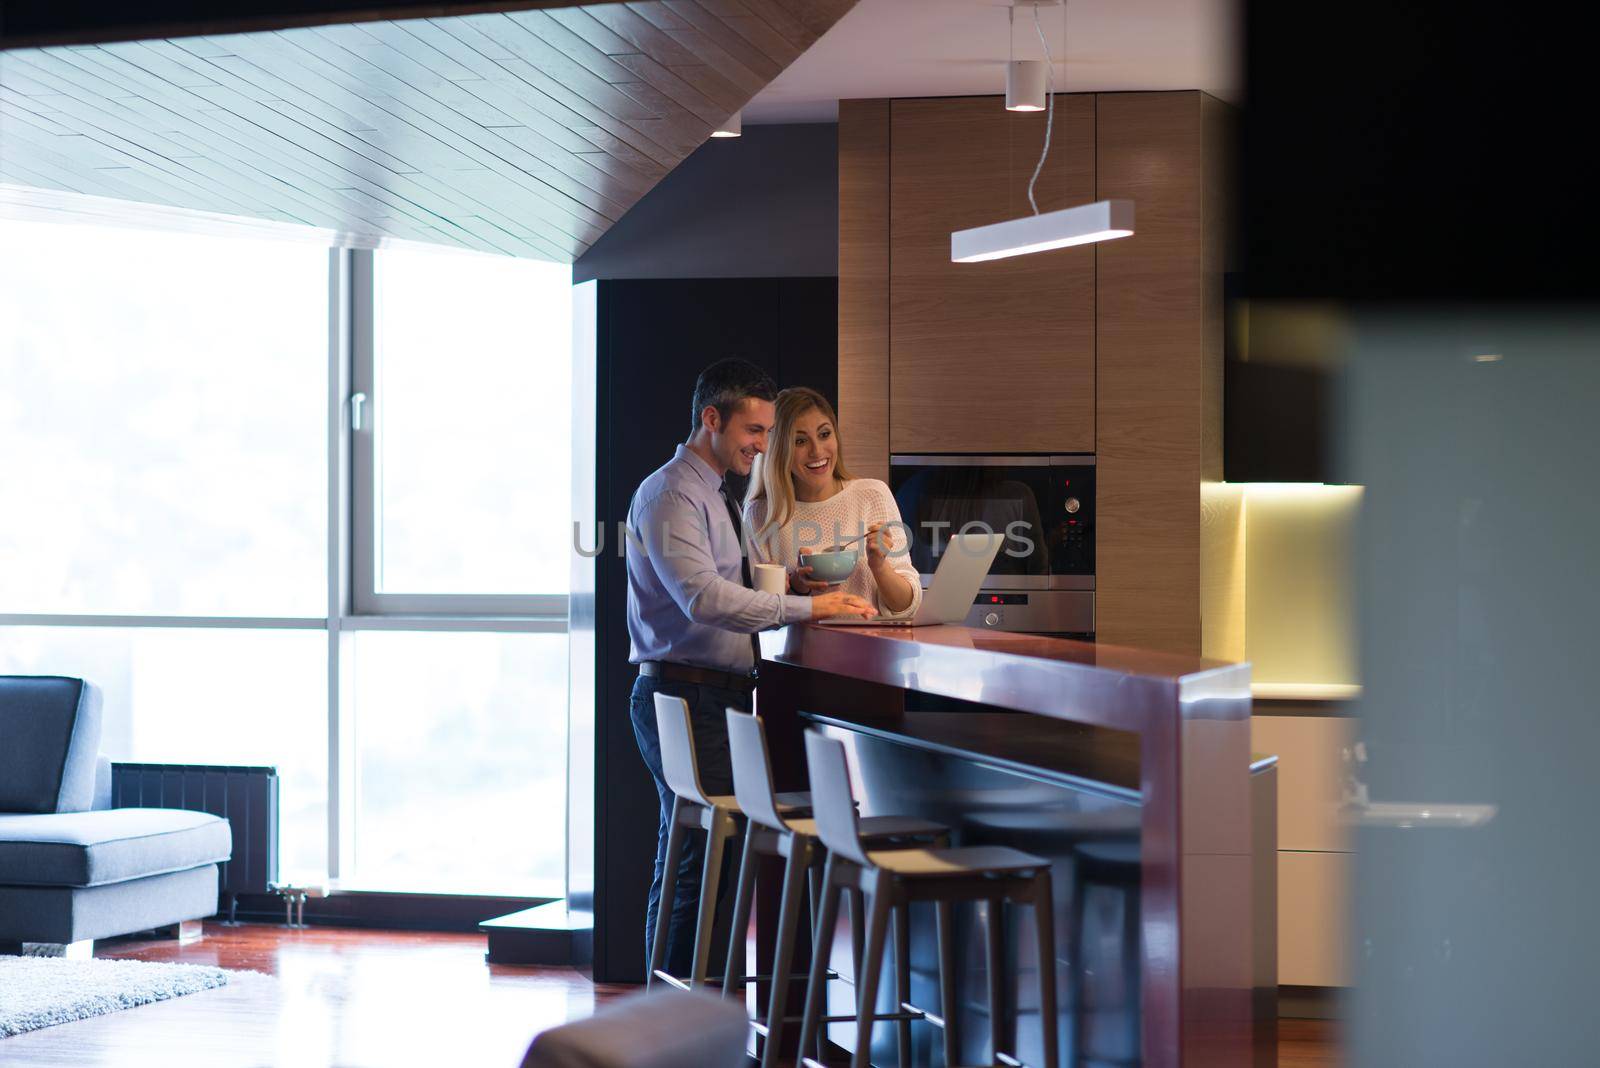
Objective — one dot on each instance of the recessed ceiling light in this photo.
(1487, 357)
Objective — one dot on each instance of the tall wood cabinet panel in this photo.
(998, 356)
(1158, 372)
(1114, 348)
(864, 286)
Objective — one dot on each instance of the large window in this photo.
(163, 423)
(187, 466)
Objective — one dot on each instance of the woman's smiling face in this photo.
(814, 447)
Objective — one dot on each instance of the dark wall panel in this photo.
(654, 337)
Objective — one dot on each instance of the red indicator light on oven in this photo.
(994, 600)
(1072, 522)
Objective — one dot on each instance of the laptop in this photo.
(949, 596)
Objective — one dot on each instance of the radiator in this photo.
(246, 797)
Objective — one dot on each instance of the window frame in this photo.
(366, 522)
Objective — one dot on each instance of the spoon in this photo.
(848, 541)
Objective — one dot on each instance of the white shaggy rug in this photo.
(40, 992)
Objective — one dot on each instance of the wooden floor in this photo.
(368, 998)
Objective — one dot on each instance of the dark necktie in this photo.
(744, 568)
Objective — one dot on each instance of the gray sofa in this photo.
(72, 868)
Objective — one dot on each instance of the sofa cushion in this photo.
(49, 740)
(95, 848)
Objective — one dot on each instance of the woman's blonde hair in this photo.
(772, 479)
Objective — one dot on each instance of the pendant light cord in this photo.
(1049, 96)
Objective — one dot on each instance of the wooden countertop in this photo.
(1084, 682)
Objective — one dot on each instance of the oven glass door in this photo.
(1023, 497)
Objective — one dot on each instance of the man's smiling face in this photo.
(737, 441)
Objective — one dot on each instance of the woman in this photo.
(802, 500)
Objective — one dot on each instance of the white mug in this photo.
(771, 578)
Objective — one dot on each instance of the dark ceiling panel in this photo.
(526, 132)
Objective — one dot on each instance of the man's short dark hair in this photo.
(725, 385)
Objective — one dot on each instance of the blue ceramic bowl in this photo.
(831, 567)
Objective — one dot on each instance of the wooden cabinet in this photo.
(1159, 369)
(1113, 348)
(998, 356)
(864, 285)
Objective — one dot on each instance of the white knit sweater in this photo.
(818, 525)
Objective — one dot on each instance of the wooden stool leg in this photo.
(994, 957)
(669, 892)
(871, 967)
(902, 980)
(1045, 924)
(948, 1007)
(710, 876)
(794, 874)
(822, 949)
(733, 972)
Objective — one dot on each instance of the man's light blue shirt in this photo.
(687, 601)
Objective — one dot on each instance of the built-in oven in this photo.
(1043, 579)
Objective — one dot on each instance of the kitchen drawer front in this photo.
(1310, 777)
(1314, 919)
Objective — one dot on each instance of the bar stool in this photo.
(693, 809)
(892, 880)
(770, 832)
(1106, 1019)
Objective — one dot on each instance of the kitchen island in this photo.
(1130, 770)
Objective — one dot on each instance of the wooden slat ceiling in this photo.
(526, 132)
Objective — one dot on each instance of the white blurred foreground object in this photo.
(664, 1028)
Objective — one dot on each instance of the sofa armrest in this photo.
(102, 783)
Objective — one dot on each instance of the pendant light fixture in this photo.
(733, 127)
(1025, 78)
(1025, 82)
(1082, 225)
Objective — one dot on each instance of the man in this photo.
(692, 615)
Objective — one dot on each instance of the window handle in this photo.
(358, 408)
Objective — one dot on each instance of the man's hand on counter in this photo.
(839, 603)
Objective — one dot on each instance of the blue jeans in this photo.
(708, 717)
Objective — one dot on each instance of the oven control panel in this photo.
(1060, 612)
